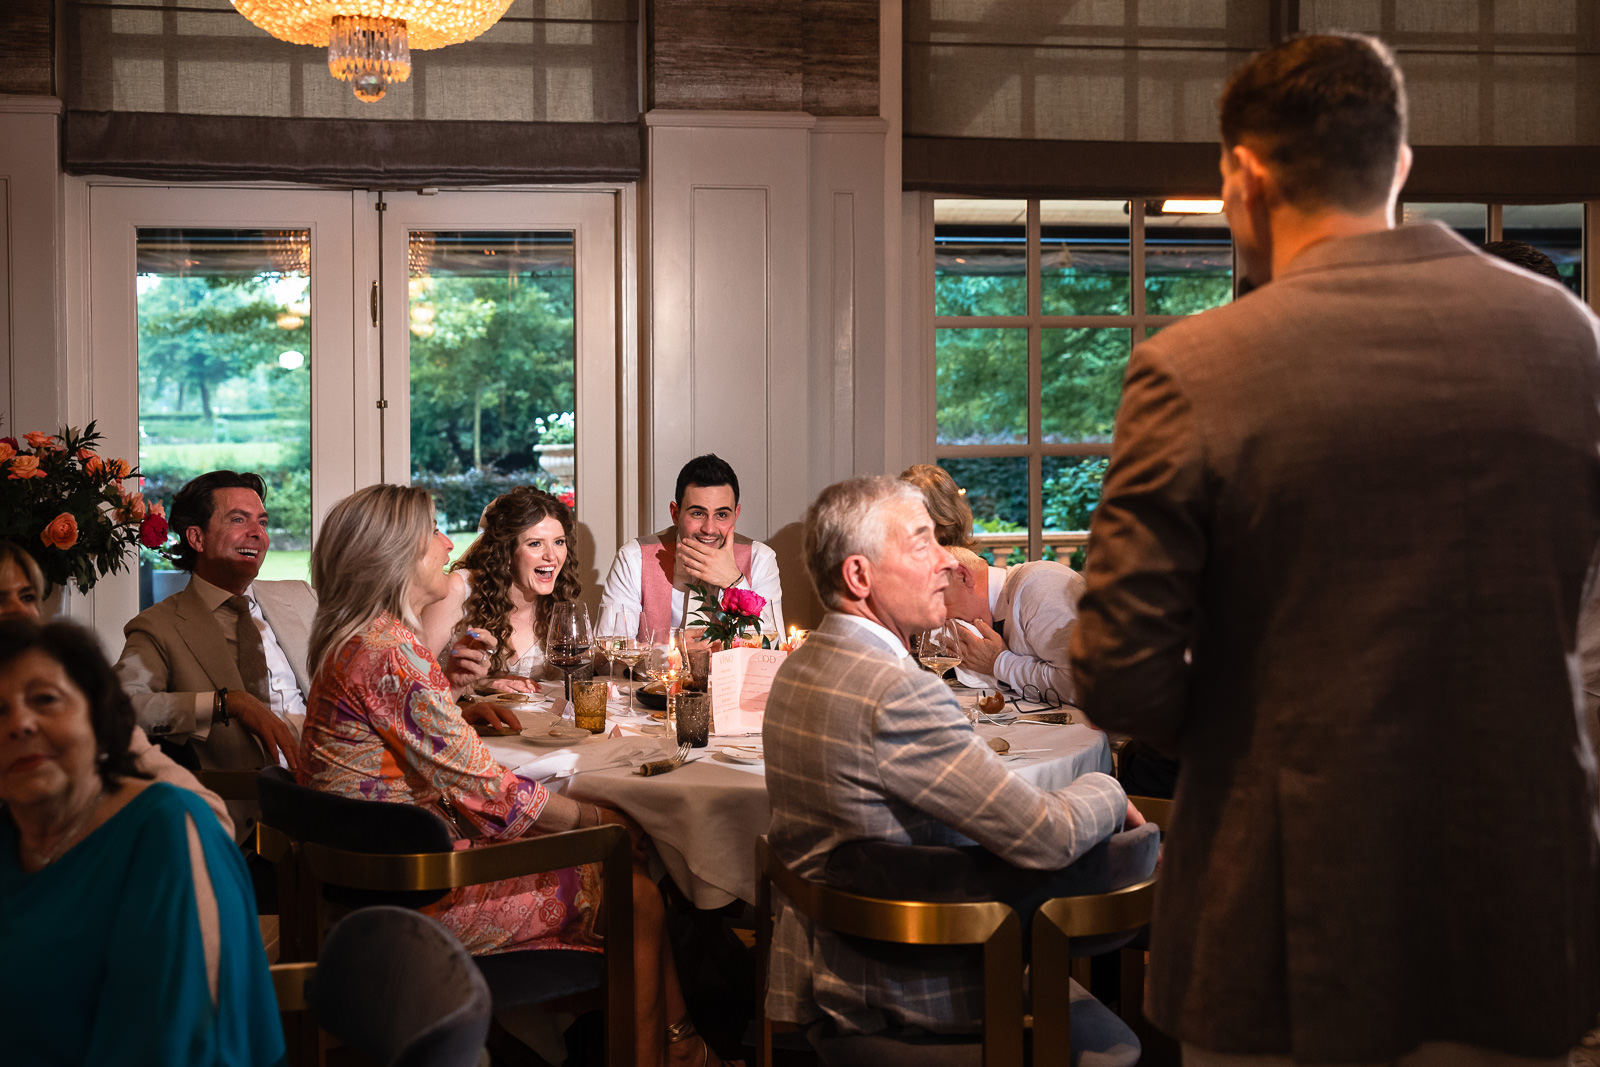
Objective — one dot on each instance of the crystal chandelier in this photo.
(370, 41)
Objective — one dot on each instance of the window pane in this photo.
(225, 375)
(1554, 229)
(1071, 491)
(1084, 257)
(1188, 264)
(492, 366)
(1471, 221)
(980, 260)
(997, 492)
(982, 386)
(1082, 372)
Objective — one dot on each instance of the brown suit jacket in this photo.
(1364, 499)
(175, 650)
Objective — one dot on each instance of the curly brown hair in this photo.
(505, 520)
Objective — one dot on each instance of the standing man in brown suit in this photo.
(1337, 569)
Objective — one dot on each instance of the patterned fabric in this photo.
(381, 725)
(863, 745)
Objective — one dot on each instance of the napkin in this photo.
(595, 756)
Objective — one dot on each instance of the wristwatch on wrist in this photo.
(219, 708)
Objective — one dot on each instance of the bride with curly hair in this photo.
(507, 584)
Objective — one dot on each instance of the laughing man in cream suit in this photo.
(181, 653)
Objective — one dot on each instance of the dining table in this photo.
(705, 815)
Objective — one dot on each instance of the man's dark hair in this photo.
(193, 506)
(707, 470)
(1525, 256)
(1327, 113)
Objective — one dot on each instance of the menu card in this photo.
(741, 678)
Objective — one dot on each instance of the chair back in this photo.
(306, 815)
(990, 924)
(396, 986)
(1157, 809)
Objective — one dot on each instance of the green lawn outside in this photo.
(234, 455)
(281, 565)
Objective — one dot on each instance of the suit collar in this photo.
(1415, 242)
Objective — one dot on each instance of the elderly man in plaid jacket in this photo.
(863, 745)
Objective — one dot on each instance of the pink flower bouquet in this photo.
(728, 621)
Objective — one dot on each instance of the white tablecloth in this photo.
(705, 816)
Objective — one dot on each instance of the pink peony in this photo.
(153, 530)
(62, 532)
(744, 602)
(26, 467)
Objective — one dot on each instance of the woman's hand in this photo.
(513, 683)
(489, 713)
(467, 660)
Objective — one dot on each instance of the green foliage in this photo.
(957, 293)
(1187, 292)
(1072, 491)
(461, 498)
(498, 356)
(196, 332)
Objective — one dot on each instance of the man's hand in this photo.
(466, 661)
(978, 653)
(274, 735)
(703, 563)
(1134, 817)
(489, 713)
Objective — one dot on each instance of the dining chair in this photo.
(335, 852)
(1156, 809)
(395, 986)
(1066, 932)
(989, 924)
(239, 788)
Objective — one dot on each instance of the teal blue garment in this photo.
(101, 960)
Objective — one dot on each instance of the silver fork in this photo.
(683, 753)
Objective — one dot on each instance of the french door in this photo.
(329, 340)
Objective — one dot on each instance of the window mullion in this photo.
(1036, 381)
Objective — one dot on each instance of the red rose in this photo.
(62, 532)
(745, 602)
(12, 441)
(569, 498)
(153, 531)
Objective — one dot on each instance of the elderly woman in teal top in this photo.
(127, 922)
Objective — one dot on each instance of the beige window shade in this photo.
(193, 90)
(1503, 92)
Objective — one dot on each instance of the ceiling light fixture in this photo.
(1191, 207)
(370, 41)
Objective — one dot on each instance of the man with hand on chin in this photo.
(1020, 620)
(649, 580)
(221, 665)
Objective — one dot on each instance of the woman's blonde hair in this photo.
(17, 556)
(947, 504)
(365, 563)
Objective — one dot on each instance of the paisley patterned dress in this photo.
(381, 725)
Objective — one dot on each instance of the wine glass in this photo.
(939, 648)
(628, 651)
(567, 640)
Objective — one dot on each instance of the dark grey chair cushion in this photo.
(397, 986)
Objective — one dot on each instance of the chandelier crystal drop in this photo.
(370, 41)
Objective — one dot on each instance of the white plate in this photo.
(743, 754)
(569, 735)
(506, 697)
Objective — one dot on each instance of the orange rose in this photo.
(133, 508)
(84, 455)
(40, 440)
(26, 467)
(62, 531)
(120, 469)
(6, 452)
(95, 467)
(156, 509)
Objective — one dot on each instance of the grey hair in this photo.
(847, 519)
(365, 563)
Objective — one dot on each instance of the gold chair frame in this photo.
(1055, 924)
(992, 925)
(304, 867)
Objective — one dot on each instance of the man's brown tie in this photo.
(252, 655)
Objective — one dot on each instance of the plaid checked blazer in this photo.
(862, 744)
